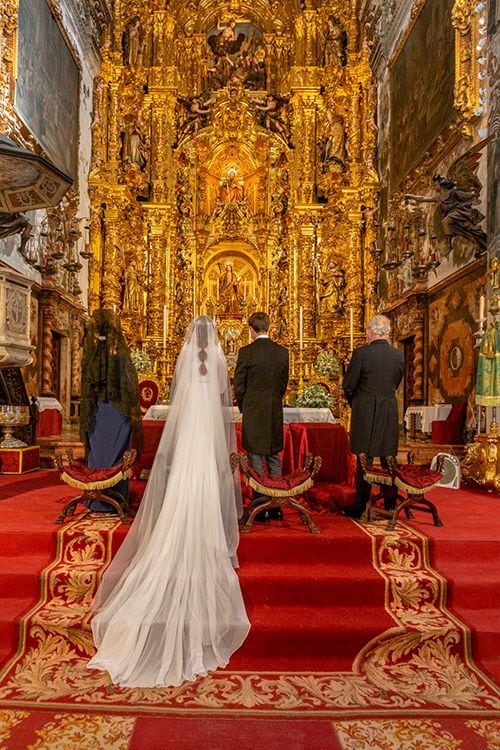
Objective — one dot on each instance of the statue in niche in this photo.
(133, 43)
(133, 288)
(334, 44)
(231, 188)
(133, 146)
(332, 289)
(198, 109)
(228, 290)
(456, 195)
(333, 152)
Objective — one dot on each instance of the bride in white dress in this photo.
(169, 608)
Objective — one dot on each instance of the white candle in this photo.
(301, 328)
(481, 308)
(165, 319)
(351, 328)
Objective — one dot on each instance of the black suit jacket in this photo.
(370, 383)
(260, 381)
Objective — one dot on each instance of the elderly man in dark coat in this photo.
(260, 381)
(370, 382)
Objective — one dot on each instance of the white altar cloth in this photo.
(290, 414)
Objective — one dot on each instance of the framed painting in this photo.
(47, 84)
(422, 79)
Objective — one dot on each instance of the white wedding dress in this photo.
(169, 608)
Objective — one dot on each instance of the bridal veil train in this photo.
(169, 608)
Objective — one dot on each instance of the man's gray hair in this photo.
(380, 325)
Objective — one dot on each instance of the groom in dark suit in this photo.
(260, 381)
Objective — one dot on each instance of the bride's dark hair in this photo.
(202, 324)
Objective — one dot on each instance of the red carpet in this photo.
(351, 626)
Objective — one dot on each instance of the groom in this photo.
(260, 381)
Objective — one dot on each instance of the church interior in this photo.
(323, 161)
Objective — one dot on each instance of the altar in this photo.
(290, 414)
(422, 417)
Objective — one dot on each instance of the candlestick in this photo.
(165, 319)
(351, 328)
(301, 328)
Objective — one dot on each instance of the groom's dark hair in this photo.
(259, 321)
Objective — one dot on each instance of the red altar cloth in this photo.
(334, 485)
(49, 423)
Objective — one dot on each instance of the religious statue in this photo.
(133, 288)
(133, 146)
(133, 43)
(332, 289)
(228, 284)
(231, 188)
(456, 195)
(333, 154)
(15, 224)
(198, 109)
(270, 117)
(334, 44)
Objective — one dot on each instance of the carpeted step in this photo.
(17, 574)
(319, 585)
(298, 638)
(11, 610)
(337, 543)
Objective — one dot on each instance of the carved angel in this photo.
(456, 196)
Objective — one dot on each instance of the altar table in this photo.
(334, 485)
(290, 414)
(49, 420)
(424, 416)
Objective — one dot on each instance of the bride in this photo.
(169, 608)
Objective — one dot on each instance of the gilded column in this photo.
(112, 261)
(418, 361)
(356, 271)
(157, 265)
(47, 351)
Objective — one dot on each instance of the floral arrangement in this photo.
(141, 360)
(314, 396)
(327, 365)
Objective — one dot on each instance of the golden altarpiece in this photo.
(233, 148)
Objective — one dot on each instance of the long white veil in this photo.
(200, 401)
(170, 606)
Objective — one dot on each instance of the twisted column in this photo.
(47, 351)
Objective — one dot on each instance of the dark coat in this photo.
(370, 384)
(260, 381)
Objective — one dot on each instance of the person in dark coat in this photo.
(370, 382)
(260, 381)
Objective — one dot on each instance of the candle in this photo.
(165, 319)
(245, 289)
(217, 290)
(481, 308)
(301, 328)
(351, 328)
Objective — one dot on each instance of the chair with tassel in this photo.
(96, 484)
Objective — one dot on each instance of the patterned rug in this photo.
(422, 665)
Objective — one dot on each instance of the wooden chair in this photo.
(95, 484)
(414, 480)
(280, 491)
